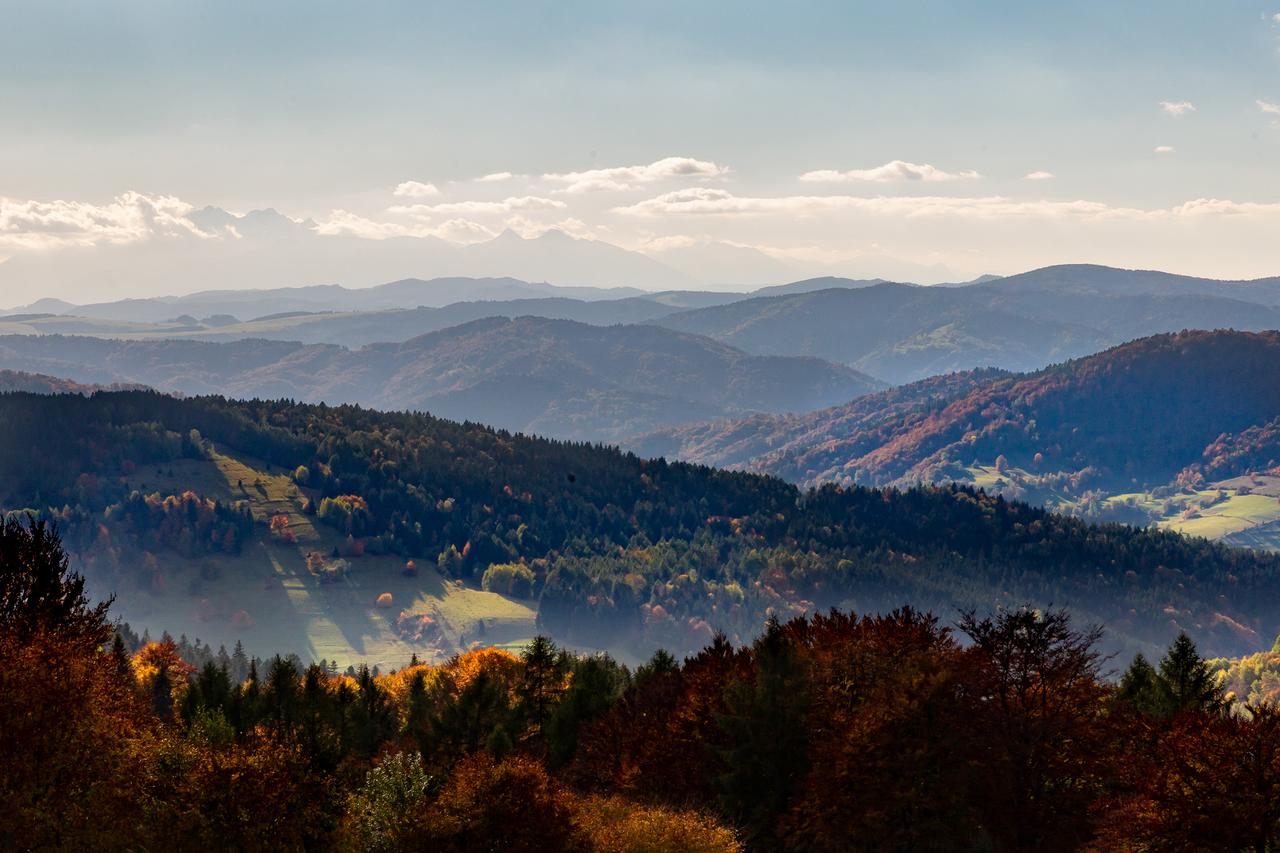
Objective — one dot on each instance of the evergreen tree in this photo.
(662, 663)
(121, 659)
(239, 664)
(418, 715)
(373, 715)
(597, 683)
(1186, 684)
(162, 695)
(469, 721)
(541, 680)
(38, 590)
(1140, 687)
(766, 755)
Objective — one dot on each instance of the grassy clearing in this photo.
(266, 598)
(1243, 511)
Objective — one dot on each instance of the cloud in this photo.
(415, 189)
(128, 218)
(507, 205)
(703, 200)
(1268, 107)
(342, 222)
(1038, 176)
(717, 202)
(1177, 108)
(1223, 207)
(619, 178)
(528, 228)
(495, 177)
(894, 170)
(672, 241)
(463, 231)
(1163, 149)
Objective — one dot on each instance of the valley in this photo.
(267, 597)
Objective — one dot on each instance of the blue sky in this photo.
(321, 107)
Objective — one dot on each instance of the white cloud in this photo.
(671, 241)
(1177, 108)
(463, 231)
(715, 202)
(495, 177)
(128, 218)
(1163, 149)
(415, 189)
(528, 228)
(1223, 207)
(342, 222)
(894, 170)
(507, 205)
(704, 200)
(1268, 107)
(618, 178)
(1040, 175)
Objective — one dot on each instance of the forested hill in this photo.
(619, 550)
(39, 383)
(553, 377)
(1135, 415)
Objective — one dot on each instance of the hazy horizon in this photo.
(924, 144)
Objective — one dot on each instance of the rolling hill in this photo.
(902, 333)
(283, 524)
(252, 304)
(38, 383)
(554, 377)
(1158, 430)
(345, 328)
(897, 332)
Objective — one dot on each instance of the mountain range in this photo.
(896, 332)
(555, 377)
(901, 333)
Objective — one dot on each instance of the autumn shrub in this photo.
(257, 794)
(74, 738)
(514, 579)
(512, 806)
(376, 813)
(616, 824)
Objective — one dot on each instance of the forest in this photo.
(619, 551)
(834, 731)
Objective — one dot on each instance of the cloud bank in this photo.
(894, 170)
(619, 178)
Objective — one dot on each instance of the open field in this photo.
(267, 598)
(1242, 511)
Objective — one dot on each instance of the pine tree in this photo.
(766, 756)
(597, 683)
(38, 590)
(239, 664)
(1186, 684)
(162, 695)
(662, 663)
(1140, 687)
(469, 721)
(542, 679)
(121, 659)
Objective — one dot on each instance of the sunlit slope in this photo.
(266, 597)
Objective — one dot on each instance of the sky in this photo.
(930, 140)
